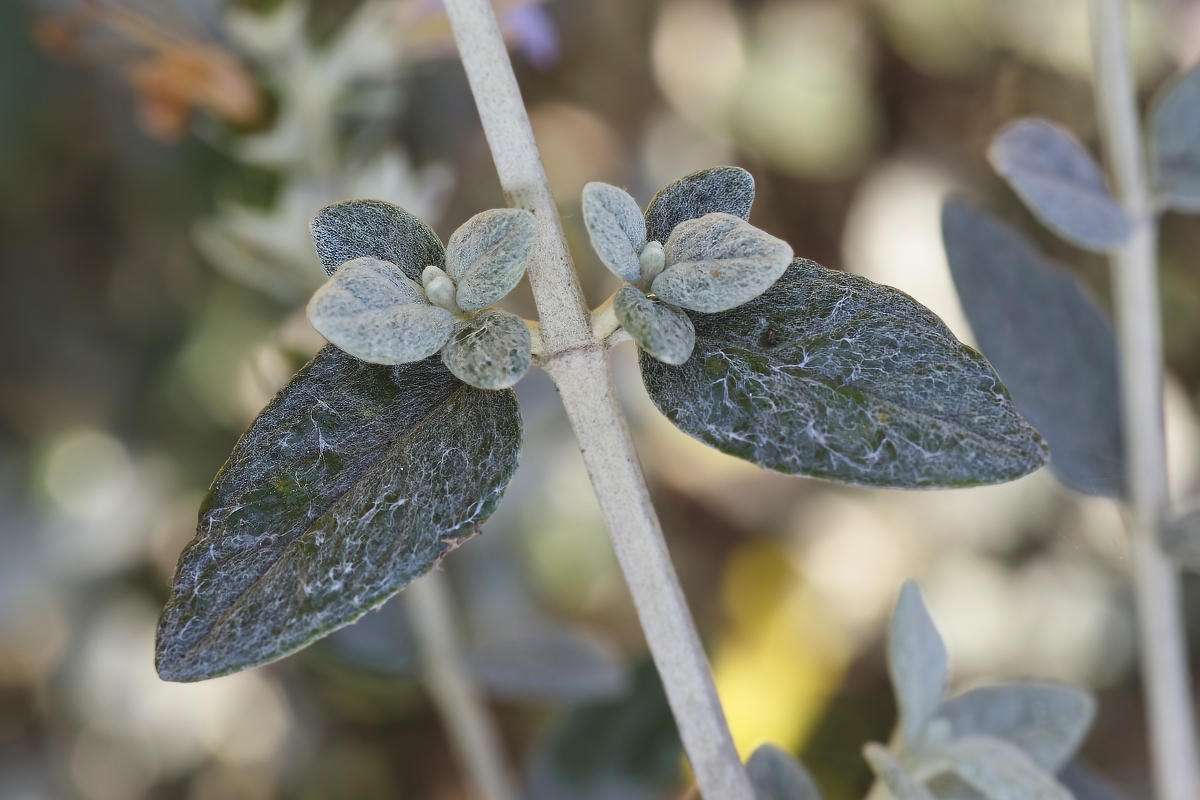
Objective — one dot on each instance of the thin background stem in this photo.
(1166, 682)
(578, 364)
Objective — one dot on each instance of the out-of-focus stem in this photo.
(1165, 676)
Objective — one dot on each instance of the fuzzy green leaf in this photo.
(663, 331)
(776, 775)
(1175, 142)
(491, 351)
(487, 255)
(889, 770)
(1000, 771)
(917, 662)
(353, 482)
(1060, 183)
(728, 190)
(378, 229)
(616, 227)
(831, 376)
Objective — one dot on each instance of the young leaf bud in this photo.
(439, 289)
(652, 260)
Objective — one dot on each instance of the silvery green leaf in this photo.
(353, 482)
(487, 255)
(1175, 142)
(1001, 771)
(776, 775)
(917, 662)
(1019, 304)
(372, 311)
(1061, 183)
(1048, 722)
(885, 766)
(949, 786)
(551, 664)
(728, 190)
(377, 229)
(491, 351)
(1181, 538)
(1084, 783)
(663, 331)
(831, 376)
(719, 262)
(616, 227)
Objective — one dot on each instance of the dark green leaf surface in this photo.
(726, 189)
(1049, 342)
(354, 481)
(1175, 141)
(829, 375)
(378, 229)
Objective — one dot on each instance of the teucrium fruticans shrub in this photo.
(396, 442)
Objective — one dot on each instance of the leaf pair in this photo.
(395, 312)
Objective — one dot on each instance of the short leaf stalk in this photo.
(1164, 655)
(578, 362)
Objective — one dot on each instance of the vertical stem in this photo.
(458, 700)
(1134, 266)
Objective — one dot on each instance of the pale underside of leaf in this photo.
(728, 190)
(719, 262)
(486, 257)
(374, 228)
(491, 351)
(831, 376)
(354, 481)
(1175, 141)
(917, 662)
(885, 766)
(776, 775)
(663, 331)
(999, 770)
(1060, 183)
(1050, 343)
(616, 228)
(1048, 722)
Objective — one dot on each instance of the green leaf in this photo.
(917, 662)
(888, 769)
(616, 228)
(1048, 722)
(1001, 771)
(1060, 183)
(491, 351)
(663, 331)
(487, 255)
(729, 190)
(1181, 538)
(1175, 142)
(1049, 341)
(776, 775)
(831, 376)
(374, 228)
(353, 482)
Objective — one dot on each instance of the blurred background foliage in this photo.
(159, 162)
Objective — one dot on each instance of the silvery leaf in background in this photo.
(1181, 538)
(353, 482)
(616, 228)
(917, 662)
(487, 255)
(381, 642)
(776, 775)
(549, 664)
(831, 376)
(346, 231)
(889, 770)
(491, 351)
(1084, 783)
(728, 190)
(663, 331)
(1019, 304)
(719, 262)
(373, 312)
(1048, 722)
(1175, 142)
(999, 770)
(1060, 183)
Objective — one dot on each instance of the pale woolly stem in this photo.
(604, 320)
(1134, 267)
(578, 364)
(461, 706)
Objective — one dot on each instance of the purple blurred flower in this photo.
(532, 30)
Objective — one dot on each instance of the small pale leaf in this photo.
(1060, 183)
(1048, 722)
(616, 227)
(377, 229)
(1001, 771)
(1049, 342)
(831, 376)
(353, 482)
(728, 190)
(888, 769)
(552, 664)
(917, 663)
(776, 775)
(663, 331)
(1181, 538)
(1175, 142)
(491, 351)
(719, 262)
(486, 257)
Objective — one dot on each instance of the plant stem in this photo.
(578, 364)
(1134, 266)
(458, 700)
